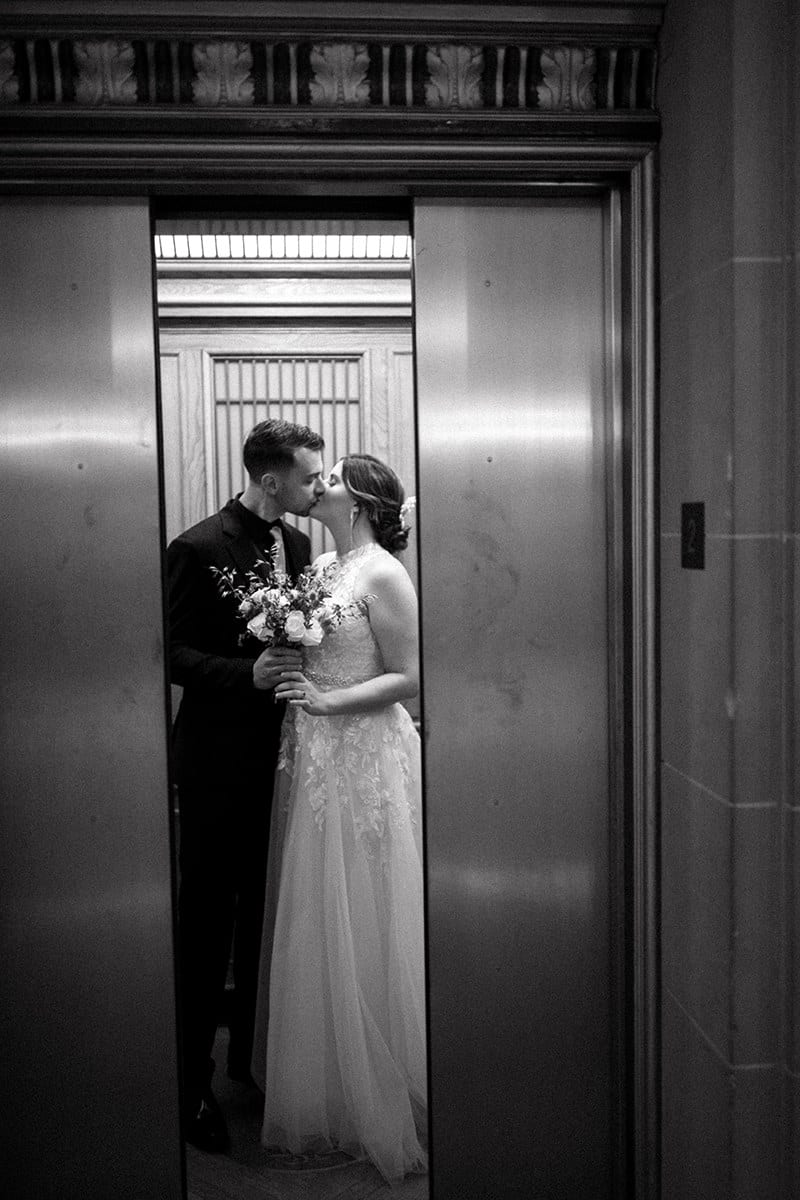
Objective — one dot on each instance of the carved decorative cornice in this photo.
(57, 74)
(183, 93)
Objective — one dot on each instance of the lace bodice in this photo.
(349, 653)
(361, 760)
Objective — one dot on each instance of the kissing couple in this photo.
(299, 790)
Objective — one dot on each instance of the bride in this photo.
(340, 1027)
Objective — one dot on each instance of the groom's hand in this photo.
(272, 662)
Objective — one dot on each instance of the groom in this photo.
(225, 747)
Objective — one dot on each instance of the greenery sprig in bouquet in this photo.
(278, 611)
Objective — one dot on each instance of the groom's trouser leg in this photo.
(206, 907)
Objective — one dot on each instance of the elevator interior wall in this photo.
(89, 1087)
(515, 477)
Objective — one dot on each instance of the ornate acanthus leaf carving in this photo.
(9, 84)
(161, 73)
(568, 79)
(340, 74)
(456, 76)
(105, 72)
(224, 73)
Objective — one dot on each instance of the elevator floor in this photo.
(244, 1174)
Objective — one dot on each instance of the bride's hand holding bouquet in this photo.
(300, 692)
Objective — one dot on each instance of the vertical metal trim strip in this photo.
(618, 825)
(645, 798)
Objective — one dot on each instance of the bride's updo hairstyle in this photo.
(379, 493)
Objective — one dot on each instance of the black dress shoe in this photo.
(207, 1129)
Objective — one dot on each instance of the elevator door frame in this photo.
(408, 167)
(624, 179)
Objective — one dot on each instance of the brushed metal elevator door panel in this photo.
(509, 307)
(90, 1104)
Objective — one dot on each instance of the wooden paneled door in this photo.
(354, 385)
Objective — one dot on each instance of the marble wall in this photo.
(728, 94)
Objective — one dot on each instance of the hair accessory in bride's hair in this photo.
(405, 511)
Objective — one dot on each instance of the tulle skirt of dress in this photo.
(340, 1027)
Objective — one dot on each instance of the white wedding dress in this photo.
(340, 1027)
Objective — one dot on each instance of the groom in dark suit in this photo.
(226, 742)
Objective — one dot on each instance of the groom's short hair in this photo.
(270, 446)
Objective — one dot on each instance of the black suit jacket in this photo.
(227, 731)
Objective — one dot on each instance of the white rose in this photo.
(295, 626)
(313, 634)
(244, 608)
(257, 597)
(259, 628)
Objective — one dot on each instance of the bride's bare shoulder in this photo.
(384, 571)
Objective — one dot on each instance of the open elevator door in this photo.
(518, 451)
(90, 1082)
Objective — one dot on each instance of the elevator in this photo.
(517, 433)
(534, 458)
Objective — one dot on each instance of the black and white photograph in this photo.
(399, 461)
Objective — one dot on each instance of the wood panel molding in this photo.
(277, 290)
(188, 355)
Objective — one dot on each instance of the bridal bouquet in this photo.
(279, 612)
